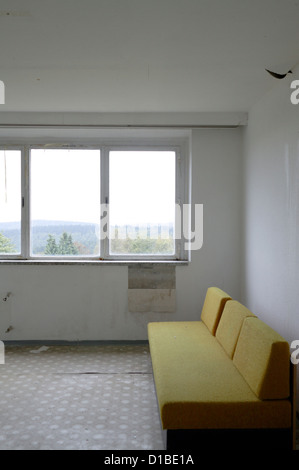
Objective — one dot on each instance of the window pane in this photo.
(142, 202)
(65, 202)
(10, 201)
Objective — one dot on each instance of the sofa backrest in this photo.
(230, 325)
(214, 303)
(262, 356)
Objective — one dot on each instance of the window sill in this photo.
(81, 262)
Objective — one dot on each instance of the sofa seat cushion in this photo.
(198, 386)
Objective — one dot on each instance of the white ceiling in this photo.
(143, 55)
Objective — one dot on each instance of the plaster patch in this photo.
(152, 300)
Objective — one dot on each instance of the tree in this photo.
(142, 245)
(6, 246)
(66, 245)
(51, 248)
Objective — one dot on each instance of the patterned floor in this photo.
(92, 397)
(78, 397)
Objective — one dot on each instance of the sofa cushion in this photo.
(212, 308)
(230, 325)
(263, 358)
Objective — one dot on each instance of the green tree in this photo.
(51, 247)
(142, 246)
(6, 246)
(66, 245)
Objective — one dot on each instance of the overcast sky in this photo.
(65, 185)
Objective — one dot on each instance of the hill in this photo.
(85, 237)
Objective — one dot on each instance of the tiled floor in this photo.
(98, 396)
(78, 397)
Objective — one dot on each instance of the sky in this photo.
(65, 185)
(10, 186)
(142, 187)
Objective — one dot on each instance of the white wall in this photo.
(90, 302)
(271, 215)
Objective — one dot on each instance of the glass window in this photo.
(65, 202)
(142, 200)
(10, 202)
(107, 201)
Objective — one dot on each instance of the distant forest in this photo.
(83, 235)
(65, 238)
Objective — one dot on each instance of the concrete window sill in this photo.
(10, 262)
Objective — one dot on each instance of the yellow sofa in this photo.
(225, 381)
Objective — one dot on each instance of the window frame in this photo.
(8, 256)
(106, 196)
(30, 255)
(182, 194)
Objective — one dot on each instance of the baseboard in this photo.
(48, 342)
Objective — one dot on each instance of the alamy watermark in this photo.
(295, 353)
(295, 94)
(185, 216)
(2, 92)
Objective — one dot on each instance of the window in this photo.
(10, 202)
(65, 199)
(142, 202)
(96, 202)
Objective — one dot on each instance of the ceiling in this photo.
(143, 55)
